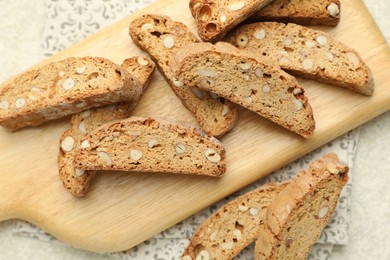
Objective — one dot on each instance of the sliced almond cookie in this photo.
(299, 213)
(305, 12)
(77, 181)
(261, 87)
(233, 227)
(140, 67)
(63, 88)
(307, 53)
(214, 18)
(161, 37)
(139, 144)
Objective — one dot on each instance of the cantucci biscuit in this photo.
(77, 181)
(259, 86)
(234, 226)
(298, 214)
(140, 144)
(307, 53)
(63, 88)
(161, 37)
(214, 18)
(305, 12)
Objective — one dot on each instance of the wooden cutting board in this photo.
(122, 209)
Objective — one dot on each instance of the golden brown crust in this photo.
(234, 226)
(77, 185)
(247, 81)
(152, 145)
(63, 88)
(304, 12)
(161, 37)
(140, 67)
(215, 18)
(306, 53)
(77, 182)
(298, 214)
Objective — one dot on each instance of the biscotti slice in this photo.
(233, 227)
(299, 213)
(77, 181)
(261, 87)
(141, 68)
(139, 144)
(161, 37)
(62, 88)
(305, 12)
(307, 53)
(214, 18)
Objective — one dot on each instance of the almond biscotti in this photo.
(305, 12)
(307, 53)
(161, 37)
(77, 181)
(299, 213)
(259, 86)
(140, 144)
(141, 68)
(234, 226)
(214, 18)
(63, 88)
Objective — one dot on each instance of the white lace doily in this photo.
(69, 21)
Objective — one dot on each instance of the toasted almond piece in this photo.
(322, 212)
(81, 70)
(181, 148)
(135, 154)
(20, 102)
(203, 255)
(222, 18)
(169, 41)
(206, 73)
(253, 211)
(79, 172)
(85, 144)
(147, 27)
(242, 40)
(4, 104)
(322, 40)
(142, 62)
(236, 6)
(260, 34)
(212, 155)
(67, 144)
(152, 143)
(333, 9)
(68, 83)
(105, 156)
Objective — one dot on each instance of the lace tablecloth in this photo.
(69, 21)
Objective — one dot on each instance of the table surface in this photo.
(20, 47)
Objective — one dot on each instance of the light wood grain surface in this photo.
(124, 209)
